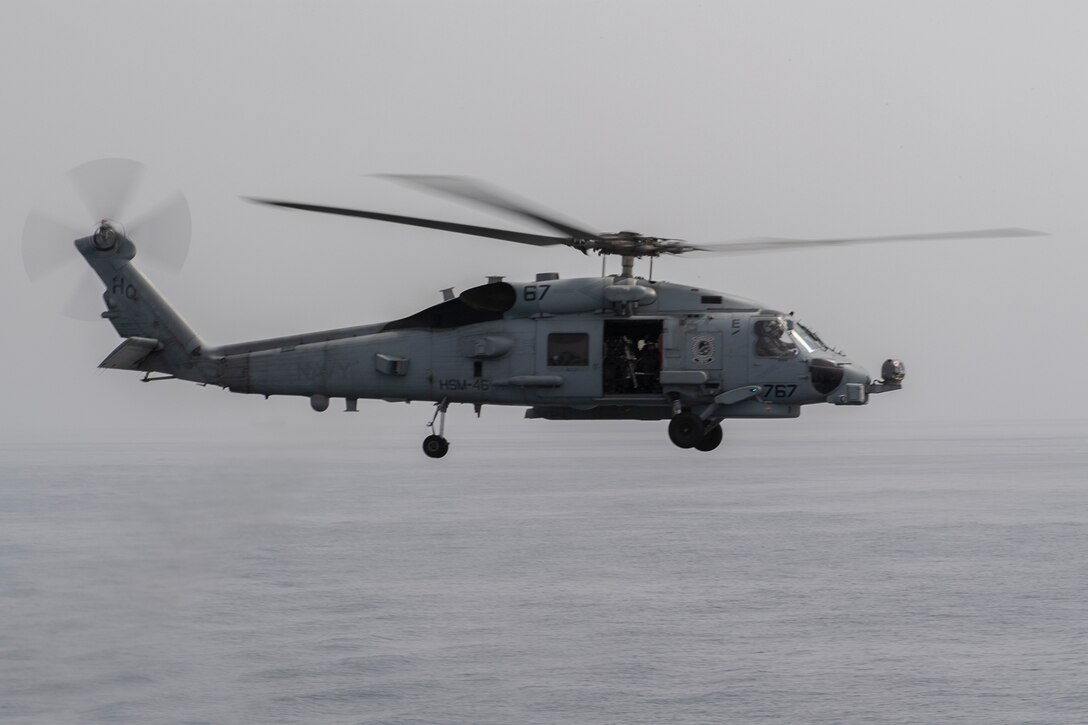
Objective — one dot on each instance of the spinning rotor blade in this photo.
(766, 244)
(472, 190)
(106, 185)
(506, 234)
(624, 243)
(85, 301)
(164, 233)
(47, 244)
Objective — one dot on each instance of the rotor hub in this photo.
(633, 244)
(106, 236)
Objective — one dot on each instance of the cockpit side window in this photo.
(773, 340)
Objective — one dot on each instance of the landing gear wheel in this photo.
(686, 430)
(435, 446)
(711, 440)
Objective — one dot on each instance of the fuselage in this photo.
(580, 348)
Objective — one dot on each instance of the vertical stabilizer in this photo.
(137, 310)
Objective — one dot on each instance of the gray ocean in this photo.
(806, 572)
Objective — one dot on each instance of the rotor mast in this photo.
(627, 270)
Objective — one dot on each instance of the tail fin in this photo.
(157, 339)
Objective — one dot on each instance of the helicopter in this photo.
(607, 348)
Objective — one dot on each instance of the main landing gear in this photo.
(687, 430)
(436, 445)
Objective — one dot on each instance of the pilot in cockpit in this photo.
(772, 339)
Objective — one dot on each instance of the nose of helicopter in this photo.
(853, 390)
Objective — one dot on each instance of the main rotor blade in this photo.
(506, 234)
(766, 244)
(47, 244)
(106, 185)
(164, 233)
(472, 190)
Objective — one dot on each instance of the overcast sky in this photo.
(701, 120)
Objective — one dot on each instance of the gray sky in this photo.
(705, 121)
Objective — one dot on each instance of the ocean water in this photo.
(555, 574)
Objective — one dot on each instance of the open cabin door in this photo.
(631, 360)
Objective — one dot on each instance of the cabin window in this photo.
(568, 348)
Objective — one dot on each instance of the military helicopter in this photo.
(614, 347)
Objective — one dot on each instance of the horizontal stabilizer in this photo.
(130, 353)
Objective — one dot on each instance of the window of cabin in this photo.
(568, 348)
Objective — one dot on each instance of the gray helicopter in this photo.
(614, 347)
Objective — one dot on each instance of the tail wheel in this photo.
(686, 430)
(435, 446)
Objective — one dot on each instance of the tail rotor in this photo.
(107, 188)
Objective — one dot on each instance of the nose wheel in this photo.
(436, 445)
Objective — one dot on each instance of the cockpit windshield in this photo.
(806, 338)
(773, 339)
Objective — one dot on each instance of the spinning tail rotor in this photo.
(106, 188)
